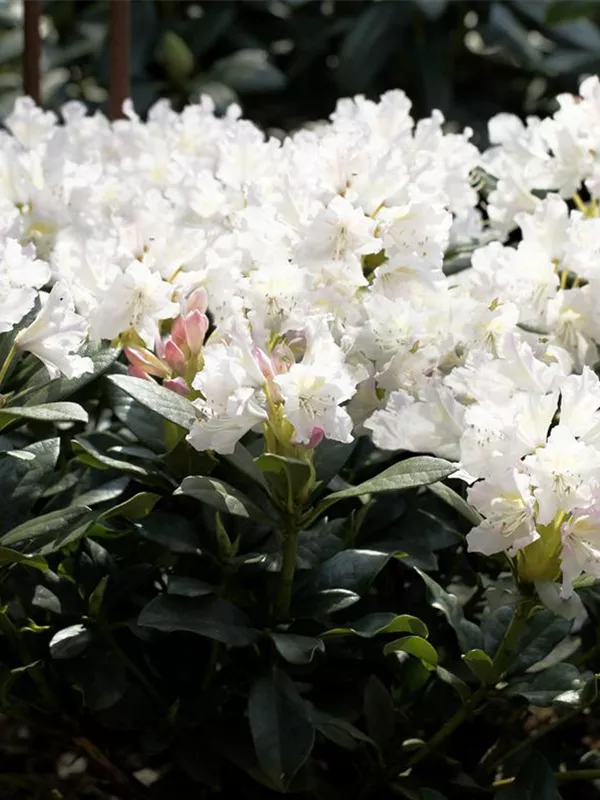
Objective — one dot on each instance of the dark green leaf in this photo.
(408, 474)
(379, 712)
(175, 56)
(481, 665)
(468, 634)
(222, 496)
(207, 616)
(337, 730)
(8, 556)
(535, 781)
(137, 507)
(415, 646)
(542, 688)
(56, 524)
(189, 587)
(369, 43)
(249, 72)
(173, 531)
(49, 391)
(379, 623)
(297, 649)
(70, 642)
(47, 412)
(290, 478)
(170, 405)
(242, 460)
(320, 543)
(353, 570)
(324, 602)
(454, 500)
(281, 727)
(542, 633)
(459, 686)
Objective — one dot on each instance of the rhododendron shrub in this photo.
(300, 449)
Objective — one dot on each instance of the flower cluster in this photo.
(297, 288)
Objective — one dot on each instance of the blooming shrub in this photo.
(266, 404)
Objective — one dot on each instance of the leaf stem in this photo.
(528, 742)
(578, 775)
(501, 662)
(288, 568)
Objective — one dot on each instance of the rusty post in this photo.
(32, 50)
(119, 47)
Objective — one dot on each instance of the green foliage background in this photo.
(287, 61)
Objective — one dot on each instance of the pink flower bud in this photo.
(316, 437)
(196, 325)
(264, 363)
(197, 301)
(177, 385)
(138, 372)
(146, 362)
(178, 332)
(174, 356)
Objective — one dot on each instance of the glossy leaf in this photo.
(297, 649)
(281, 727)
(206, 616)
(70, 642)
(222, 496)
(468, 634)
(379, 711)
(415, 646)
(167, 404)
(481, 665)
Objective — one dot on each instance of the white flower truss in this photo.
(305, 287)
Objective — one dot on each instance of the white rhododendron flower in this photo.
(56, 335)
(346, 281)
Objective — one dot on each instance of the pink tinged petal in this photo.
(138, 372)
(264, 363)
(178, 333)
(146, 362)
(174, 356)
(316, 437)
(196, 325)
(177, 385)
(197, 301)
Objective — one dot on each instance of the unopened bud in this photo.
(316, 437)
(177, 385)
(196, 325)
(178, 333)
(137, 372)
(264, 362)
(145, 361)
(174, 356)
(197, 301)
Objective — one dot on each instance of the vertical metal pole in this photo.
(32, 50)
(119, 47)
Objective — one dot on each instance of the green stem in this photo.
(511, 637)
(8, 361)
(501, 662)
(488, 768)
(578, 775)
(286, 576)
